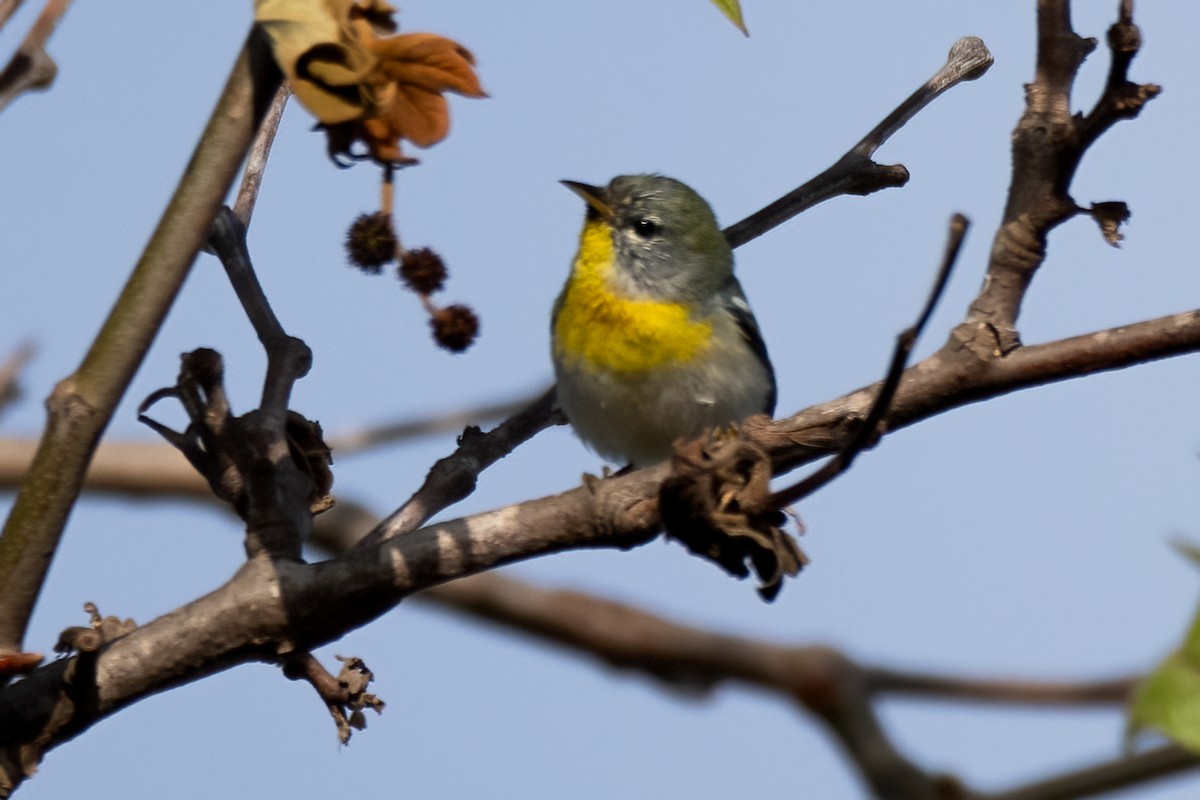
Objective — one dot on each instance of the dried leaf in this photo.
(378, 14)
(1110, 217)
(319, 51)
(361, 84)
(413, 71)
(717, 505)
(733, 10)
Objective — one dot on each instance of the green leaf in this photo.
(733, 10)
(1168, 701)
(1188, 549)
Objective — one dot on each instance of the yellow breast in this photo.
(604, 330)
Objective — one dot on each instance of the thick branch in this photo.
(954, 376)
(307, 605)
(822, 681)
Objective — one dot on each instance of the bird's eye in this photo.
(645, 228)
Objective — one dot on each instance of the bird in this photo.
(652, 337)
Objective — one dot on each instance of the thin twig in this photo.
(288, 358)
(7, 9)
(341, 694)
(10, 373)
(355, 441)
(1106, 776)
(387, 190)
(256, 161)
(83, 404)
(855, 172)
(453, 478)
(1024, 692)
(905, 342)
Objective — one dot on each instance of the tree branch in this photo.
(260, 151)
(453, 478)
(268, 606)
(83, 403)
(354, 441)
(10, 373)
(1107, 776)
(905, 342)
(954, 377)
(1048, 144)
(855, 172)
(7, 9)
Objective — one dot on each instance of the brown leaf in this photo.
(413, 71)
(717, 505)
(1110, 217)
(319, 51)
(377, 13)
(361, 84)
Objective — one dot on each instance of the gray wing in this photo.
(735, 301)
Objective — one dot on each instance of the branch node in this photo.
(100, 630)
(274, 481)
(345, 696)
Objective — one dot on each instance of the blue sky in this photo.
(1027, 536)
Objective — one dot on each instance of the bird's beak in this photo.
(594, 196)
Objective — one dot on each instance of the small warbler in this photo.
(652, 337)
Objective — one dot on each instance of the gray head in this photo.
(666, 240)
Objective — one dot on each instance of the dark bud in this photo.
(371, 242)
(455, 327)
(423, 270)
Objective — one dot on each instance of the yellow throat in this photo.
(599, 328)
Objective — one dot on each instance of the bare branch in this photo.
(83, 403)
(7, 9)
(824, 682)
(256, 162)
(354, 441)
(453, 477)
(953, 377)
(344, 696)
(887, 389)
(1107, 776)
(1121, 99)
(10, 373)
(855, 172)
(288, 358)
(1109, 692)
(143, 469)
(1048, 144)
